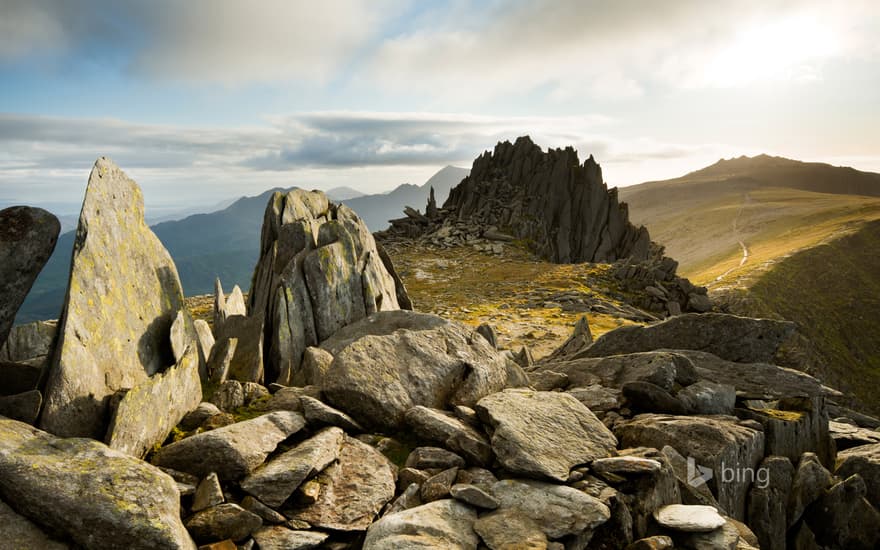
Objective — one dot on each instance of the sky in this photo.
(203, 100)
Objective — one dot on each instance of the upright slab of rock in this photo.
(123, 296)
(319, 270)
(27, 239)
(87, 492)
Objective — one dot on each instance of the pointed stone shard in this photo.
(27, 239)
(123, 296)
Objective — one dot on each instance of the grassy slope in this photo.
(833, 291)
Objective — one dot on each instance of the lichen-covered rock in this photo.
(793, 427)
(768, 502)
(444, 428)
(739, 339)
(164, 399)
(865, 461)
(93, 495)
(392, 361)
(282, 538)
(31, 343)
(123, 296)
(353, 490)
(319, 270)
(440, 524)
(543, 434)
(510, 529)
(274, 482)
(224, 521)
(27, 239)
(232, 451)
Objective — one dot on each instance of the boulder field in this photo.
(320, 411)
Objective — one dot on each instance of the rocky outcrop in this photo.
(319, 270)
(24, 358)
(27, 239)
(88, 493)
(561, 207)
(122, 298)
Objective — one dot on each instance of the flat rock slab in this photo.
(164, 398)
(123, 296)
(31, 341)
(691, 519)
(321, 414)
(558, 509)
(510, 529)
(380, 375)
(739, 339)
(544, 434)
(353, 490)
(445, 428)
(232, 451)
(282, 538)
(27, 239)
(23, 406)
(129, 504)
(444, 524)
(626, 465)
(274, 482)
(224, 521)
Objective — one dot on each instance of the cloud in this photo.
(371, 151)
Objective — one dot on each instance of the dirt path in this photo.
(745, 250)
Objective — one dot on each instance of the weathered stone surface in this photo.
(580, 338)
(847, 436)
(27, 239)
(31, 343)
(220, 360)
(544, 434)
(398, 359)
(739, 339)
(232, 451)
(228, 396)
(643, 494)
(596, 398)
(129, 504)
(691, 519)
(691, 493)
(661, 368)
(268, 515)
(354, 489)
(246, 364)
(808, 484)
(224, 521)
(725, 537)
(559, 510)
(441, 524)
(429, 458)
(768, 502)
(444, 428)
(626, 465)
(19, 532)
(206, 345)
(274, 482)
(864, 461)
(473, 495)
(319, 270)
(657, 542)
(198, 416)
(648, 397)
(208, 493)
(164, 399)
(282, 538)
(319, 414)
(843, 517)
(705, 397)
(24, 407)
(713, 442)
(438, 486)
(795, 426)
(122, 298)
(510, 530)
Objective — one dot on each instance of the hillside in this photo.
(780, 238)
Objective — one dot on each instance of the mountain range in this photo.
(225, 243)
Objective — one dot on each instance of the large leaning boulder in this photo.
(740, 339)
(319, 270)
(27, 239)
(392, 361)
(123, 296)
(89, 493)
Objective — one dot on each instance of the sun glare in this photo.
(787, 50)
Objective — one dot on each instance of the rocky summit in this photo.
(319, 410)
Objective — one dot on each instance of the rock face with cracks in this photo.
(319, 270)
